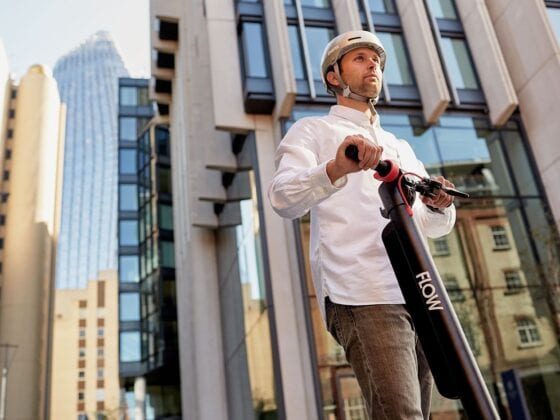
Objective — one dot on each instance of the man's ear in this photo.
(332, 79)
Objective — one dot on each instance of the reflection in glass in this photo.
(127, 128)
(127, 162)
(253, 50)
(256, 327)
(128, 233)
(167, 254)
(129, 268)
(443, 9)
(458, 63)
(165, 216)
(324, 4)
(317, 39)
(129, 346)
(499, 265)
(297, 56)
(554, 16)
(382, 6)
(128, 96)
(129, 307)
(397, 69)
(128, 197)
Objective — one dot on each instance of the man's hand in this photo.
(442, 199)
(369, 155)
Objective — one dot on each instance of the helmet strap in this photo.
(344, 90)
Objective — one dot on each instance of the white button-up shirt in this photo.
(348, 259)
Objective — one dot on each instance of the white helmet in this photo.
(336, 49)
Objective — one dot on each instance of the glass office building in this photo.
(473, 109)
(148, 347)
(88, 80)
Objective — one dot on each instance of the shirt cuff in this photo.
(325, 181)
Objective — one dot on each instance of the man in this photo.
(355, 284)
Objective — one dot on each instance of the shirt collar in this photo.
(357, 117)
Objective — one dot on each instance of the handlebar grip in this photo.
(383, 167)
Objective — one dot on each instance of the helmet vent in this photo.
(356, 37)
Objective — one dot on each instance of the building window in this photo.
(255, 63)
(100, 332)
(528, 333)
(310, 28)
(82, 354)
(165, 217)
(382, 6)
(128, 162)
(80, 396)
(162, 141)
(10, 133)
(82, 333)
(8, 154)
(397, 69)
(513, 281)
(128, 233)
(2, 219)
(100, 353)
(164, 180)
(81, 374)
(441, 247)
(129, 269)
(134, 96)
(456, 59)
(128, 128)
(258, 88)
(12, 113)
(316, 3)
(443, 9)
(458, 63)
(128, 197)
(453, 290)
(129, 307)
(167, 254)
(500, 237)
(554, 17)
(129, 347)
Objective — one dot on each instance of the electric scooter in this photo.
(449, 356)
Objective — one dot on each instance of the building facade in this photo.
(88, 82)
(85, 378)
(149, 354)
(31, 143)
(473, 87)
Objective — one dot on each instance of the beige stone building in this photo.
(85, 379)
(472, 85)
(31, 143)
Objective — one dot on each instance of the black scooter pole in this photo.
(451, 361)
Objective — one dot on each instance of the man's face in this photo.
(361, 70)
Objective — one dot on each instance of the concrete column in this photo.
(488, 59)
(347, 15)
(532, 55)
(224, 68)
(280, 57)
(139, 398)
(293, 342)
(425, 59)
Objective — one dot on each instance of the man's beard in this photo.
(365, 88)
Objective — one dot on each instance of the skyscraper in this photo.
(88, 79)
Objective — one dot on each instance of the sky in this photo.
(41, 31)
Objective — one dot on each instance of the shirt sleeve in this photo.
(301, 180)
